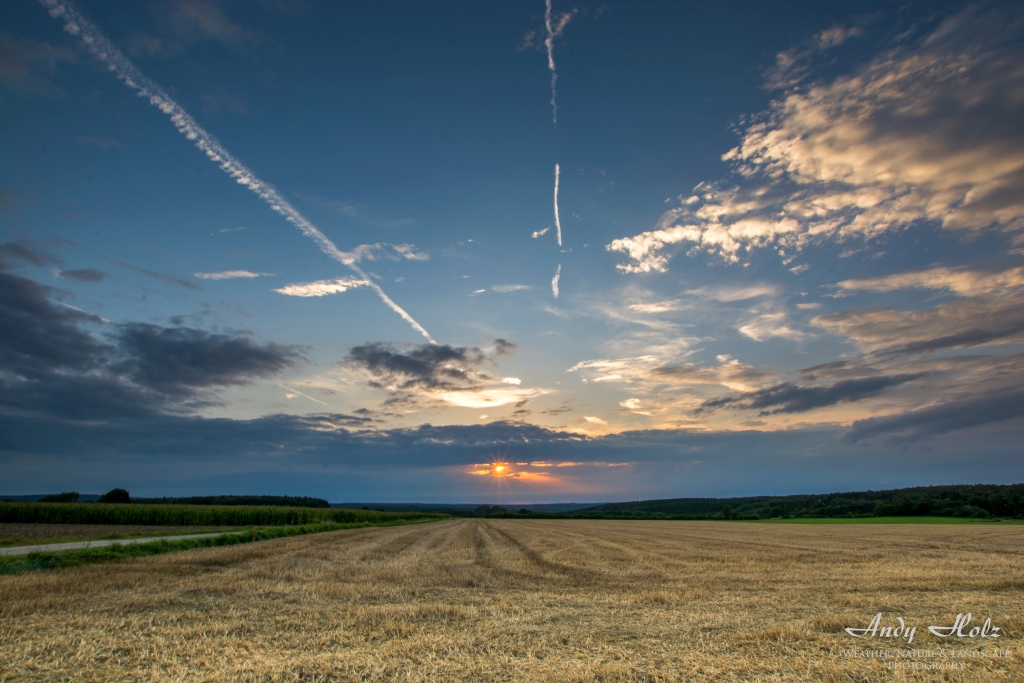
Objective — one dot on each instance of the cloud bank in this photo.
(926, 133)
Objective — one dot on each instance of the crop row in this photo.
(190, 515)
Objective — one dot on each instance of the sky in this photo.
(510, 252)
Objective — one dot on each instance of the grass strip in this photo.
(19, 564)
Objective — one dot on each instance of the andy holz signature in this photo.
(875, 629)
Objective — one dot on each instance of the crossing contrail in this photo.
(99, 46)
(558, 224)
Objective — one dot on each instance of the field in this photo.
(528, 600)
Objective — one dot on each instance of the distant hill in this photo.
(467, 509)
(977, 500)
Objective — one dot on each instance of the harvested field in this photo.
(522, 600)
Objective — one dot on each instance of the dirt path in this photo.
(525, 600)
(77, 545)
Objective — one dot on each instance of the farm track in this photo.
(521, 600)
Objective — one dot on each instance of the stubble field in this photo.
(523, 600)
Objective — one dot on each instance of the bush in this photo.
(66, 497)
(115, 496)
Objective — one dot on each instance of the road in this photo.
(76, 545)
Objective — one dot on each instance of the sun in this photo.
(498, 469)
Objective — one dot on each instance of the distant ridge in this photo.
(964, 500)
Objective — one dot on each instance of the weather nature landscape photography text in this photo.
(537, 340)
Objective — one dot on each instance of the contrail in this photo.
(558, 224)
(553, 29)
(554, 281)
(99, 46)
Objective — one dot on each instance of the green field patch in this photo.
(193, 515)
(79, 557)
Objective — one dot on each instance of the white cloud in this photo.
(322, 287)
(511, 380)
(926, 133)
(658, 307)
(769, 324)
(554, 281)
(726, 293)
(504, 289)
(538, 233)
(230, 274)
(595, 420)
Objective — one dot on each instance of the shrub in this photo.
(115, 496)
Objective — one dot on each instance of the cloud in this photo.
(229, 274)
(658, 307)
(187, 22)
(197, 13)
(733, 293)
(769, 324)
(626, 370)
(554, 281)
(322, 287)
(26, 66)
(166, 279)
(790, 398)
(81, 274)
(595, 420)
(17, 251)
(957, 324)
(53, 366)
(968, 282)
(503, 347)
(924, 133)
(948, 416)
(792, 66)
(177, 361)
(538, 233)
(426, 366)
(730, 373)
(504, 289)
(435, 373)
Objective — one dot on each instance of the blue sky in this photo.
(791, 252)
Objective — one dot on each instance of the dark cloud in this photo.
(946, 417)
(26, 66)
(790, 398)
(167, 279)
(420, 367)
(503, 348)
(179, 360)
(41, 337)
(82, 275)
(16, 251)
(336, 456)
(52, 365)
